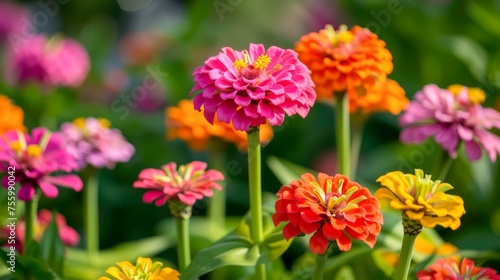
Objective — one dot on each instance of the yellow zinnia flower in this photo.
(422, 201)
(144, 269)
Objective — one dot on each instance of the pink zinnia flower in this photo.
(54, 62)
(451, 269)
(33, 158)
(91, 141)
(254, 86)
(12, 19)
(188, 183)
(452, 116)
(68, 235)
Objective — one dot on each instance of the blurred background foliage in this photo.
(442, 42)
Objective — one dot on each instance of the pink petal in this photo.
(473, 150)
(48, 189)
(68, 181)
(26, 192)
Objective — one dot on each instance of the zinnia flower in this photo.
(187, 124)
(11, 116)
(250, 88)
(342, 60)
(91, 141)
(384, 96)
(186, 184)
(54, 62)
(68, 235)
(333, 208)
(33, 158)
(452, 116)
(452, 269)
(422, 201)
(144, 269)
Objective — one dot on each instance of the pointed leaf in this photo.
(52, 247)
(287, 171)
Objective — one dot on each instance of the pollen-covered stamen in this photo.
(341, 36)
(262, 62)
(79, 122)
(104, 122)
(319, 192)
(476, 95)
(239, 64)
(33, 150)
(16, 146)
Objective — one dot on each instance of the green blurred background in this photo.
(442, 42)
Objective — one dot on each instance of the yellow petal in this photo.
(416, 216)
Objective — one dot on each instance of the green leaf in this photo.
(237, 248)
(287, 171)
(485, 16)
(471, 53)
(29, 267)
(51, 246)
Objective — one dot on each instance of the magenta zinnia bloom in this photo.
(452, 116)
(91, 141)
(188, 183)
(34, 158)
(451, 269)
(251, 87)
(68, 235)
(54, 62)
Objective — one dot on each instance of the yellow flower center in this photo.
(262, 62)
(104, 123)
(475, 95)
(33, 150)
(333, 202)
(240, 64)
(16, 146)
(340, 36)
(80, 122)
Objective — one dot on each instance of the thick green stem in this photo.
(405, 256)
(319, 266)
(254, 181)
(342, 126)
(91, 211)
(217, 205)
(31, 218)
(183, 247)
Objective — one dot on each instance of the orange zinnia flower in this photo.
(11, 116)
(344, 59)
(331, 207)
(185, 123)
(386, 96)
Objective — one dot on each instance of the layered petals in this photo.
(343, 60)
(453, 269)
(144, 269)
(331, 208)
(92, 142)
(186, 184)
(252, 87)
(421, 199)
(33, 158)
(452, 116)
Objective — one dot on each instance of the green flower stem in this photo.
(91, 211)
(357, 139)
(254, 180)
(183, 247)
(446, 166)
(217, 205)
(405, 256)
(30, 217)
(319, 266)
(342, 126)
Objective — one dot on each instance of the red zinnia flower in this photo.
(333, 208)
(449, 268)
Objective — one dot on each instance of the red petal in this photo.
(279, 217)
(344, 242)
(330, 232)
(290, 231)
(309, 216)
(309, 228)
(318, 243)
